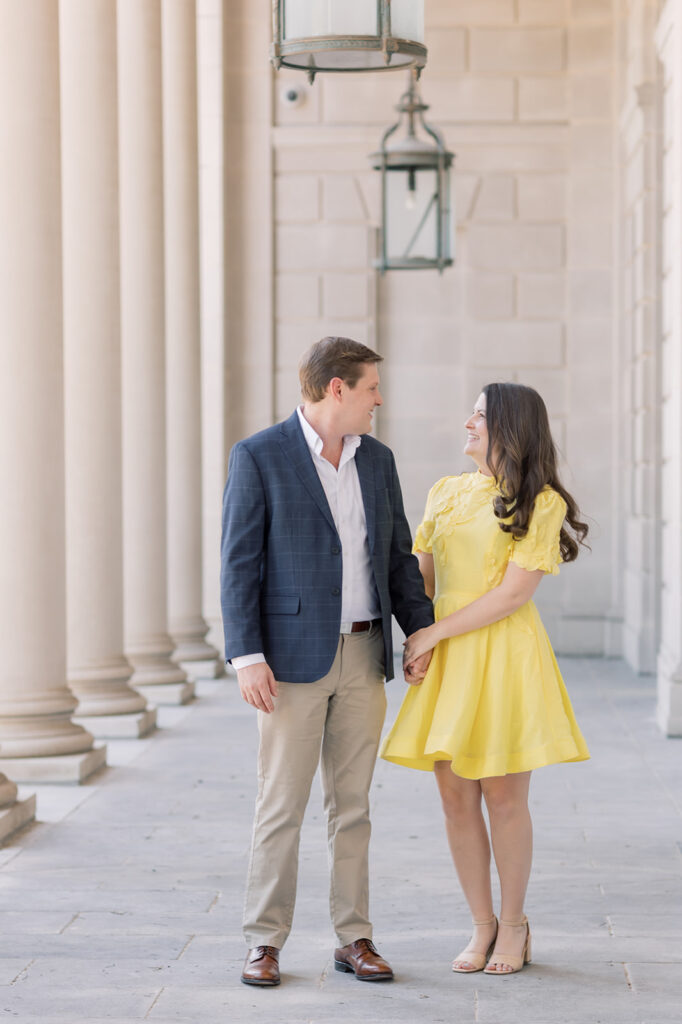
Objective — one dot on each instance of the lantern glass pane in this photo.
(304, 19)
(407, 20)
(411, 214)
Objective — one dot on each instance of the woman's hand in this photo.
(420, 643)
(416, 670)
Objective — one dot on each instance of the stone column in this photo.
(38, 740)
(210, 58)
(183, 341)
(148, 645)
(98, 671)
(669, 666)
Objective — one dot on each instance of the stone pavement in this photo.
(123, 902)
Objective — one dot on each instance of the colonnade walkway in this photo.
(123, 902)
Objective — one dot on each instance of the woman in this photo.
(492, 706)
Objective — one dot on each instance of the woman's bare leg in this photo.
(470, 849)
(511, 831)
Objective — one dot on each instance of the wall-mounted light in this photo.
(348, 35)
(416, 218)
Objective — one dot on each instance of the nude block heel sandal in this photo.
(515, 963)
(471, 956)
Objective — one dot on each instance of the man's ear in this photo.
(335, 388)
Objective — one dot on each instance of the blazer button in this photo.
(336, 550)
(336, 591)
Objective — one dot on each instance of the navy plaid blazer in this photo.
(281, 554)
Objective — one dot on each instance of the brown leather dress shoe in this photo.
(261, 966)
(361, 959)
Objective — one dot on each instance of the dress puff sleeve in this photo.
(539, 549)
(424, 534)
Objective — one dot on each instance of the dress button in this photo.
(336, 550)
(336, 591)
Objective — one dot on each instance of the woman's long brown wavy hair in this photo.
(522, 457)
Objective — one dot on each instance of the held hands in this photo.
(417, 654)
(258, 686)
(415, 672)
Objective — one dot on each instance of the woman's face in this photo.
(477, 436)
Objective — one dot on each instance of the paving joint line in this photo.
(214, 902)
(323, 976)
(155, 1001)
(23, 971)
(185, 947)
(628, 978)
(69, 923)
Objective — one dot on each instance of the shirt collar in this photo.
(315, 443)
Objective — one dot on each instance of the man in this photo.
(316, 555)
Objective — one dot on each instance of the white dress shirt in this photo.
(359, 598)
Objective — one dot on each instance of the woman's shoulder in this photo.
(452, 493)
(549, 500)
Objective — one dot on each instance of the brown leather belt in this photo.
(360, 627)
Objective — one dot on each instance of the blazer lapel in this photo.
(363, 461)
(296, 449)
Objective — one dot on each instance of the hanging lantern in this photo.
(348, 35)
(416, 219)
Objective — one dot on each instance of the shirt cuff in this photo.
(247, 659)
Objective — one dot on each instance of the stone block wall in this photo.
(522, 91)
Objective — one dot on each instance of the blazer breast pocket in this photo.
(280, 604)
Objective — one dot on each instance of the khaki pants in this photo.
(341, 714)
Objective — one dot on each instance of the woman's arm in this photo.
(517, 587)
(426, 569)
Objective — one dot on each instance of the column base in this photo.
(167, 693)
(117, 727)
(62, 768)
(669, 685)
(211, 668)
(16, 816)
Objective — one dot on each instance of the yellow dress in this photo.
(493, 700)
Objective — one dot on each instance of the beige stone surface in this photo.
(542, 196)
(543, 99)
(442, 13)
(491, 296)
(345, 296)
(472, 99)
(590, 47)
(297, 198)
(541, 295)
(519, 344)
(543, 12)
(298, 295)
(591, 97)
(525, 246)
(522, 50)
(447, 50)
(495, 198)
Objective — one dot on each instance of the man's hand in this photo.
(416, 670)
(258, 686)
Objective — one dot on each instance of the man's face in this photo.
(360, 402)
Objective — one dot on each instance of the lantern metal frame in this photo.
(300, 53)
(412, 155)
